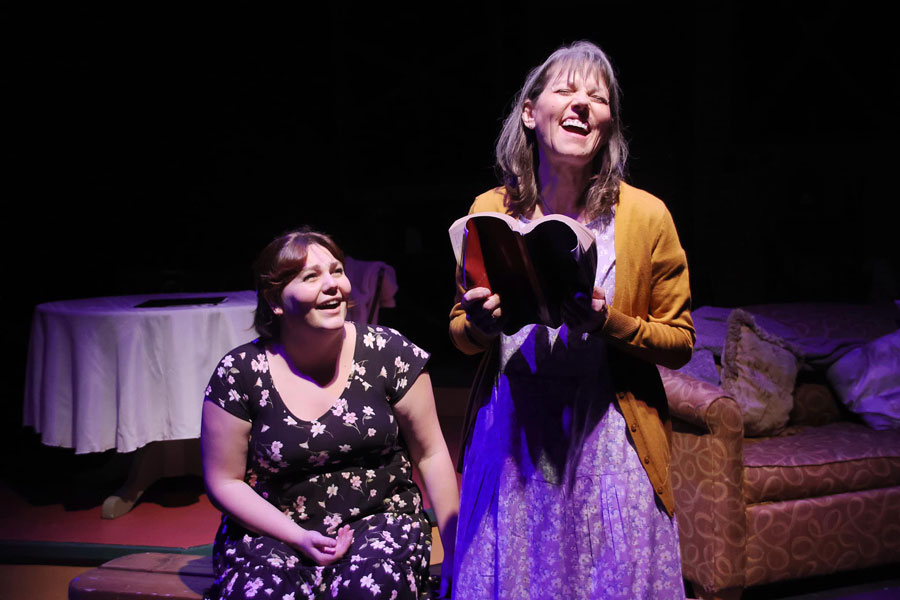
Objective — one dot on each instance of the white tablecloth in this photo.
(103, 374)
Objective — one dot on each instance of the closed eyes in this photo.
(594, 96)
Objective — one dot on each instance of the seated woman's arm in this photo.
(418, 422)
(224, 438)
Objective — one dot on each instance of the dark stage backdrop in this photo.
(160, 150)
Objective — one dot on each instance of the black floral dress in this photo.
(349, 466)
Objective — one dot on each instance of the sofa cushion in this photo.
(814, 404)
(818, 461)
(702, 367)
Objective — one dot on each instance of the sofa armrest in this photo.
(692, 400)
(707, 478)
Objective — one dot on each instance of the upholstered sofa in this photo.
(817, 493)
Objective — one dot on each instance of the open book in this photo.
(534, 267)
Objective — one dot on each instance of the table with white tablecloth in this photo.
(104, 373)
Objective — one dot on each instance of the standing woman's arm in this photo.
(660, 330)
(650, 315)
(223, 439)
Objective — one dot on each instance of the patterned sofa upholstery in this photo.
(821, 497)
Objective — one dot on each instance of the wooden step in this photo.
(145, 575)
(166, 575)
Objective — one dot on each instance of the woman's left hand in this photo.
(586, 315)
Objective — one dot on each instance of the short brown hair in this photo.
(276, 266)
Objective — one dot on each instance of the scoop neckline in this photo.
(330, 408)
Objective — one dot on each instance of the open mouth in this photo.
(576, 126)
(330, 305)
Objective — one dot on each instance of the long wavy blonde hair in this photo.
(516, 152)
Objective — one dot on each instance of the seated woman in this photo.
(307, 437)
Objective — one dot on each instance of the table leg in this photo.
(169, 458)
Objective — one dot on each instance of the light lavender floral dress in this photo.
(349, 466)
(555, 502)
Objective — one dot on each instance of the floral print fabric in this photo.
(349, 466)
(555, 501)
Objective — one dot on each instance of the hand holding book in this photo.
(483, 309)
(586, 314)
(533, 268)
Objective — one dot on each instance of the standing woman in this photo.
(566, 490)
(307, 436)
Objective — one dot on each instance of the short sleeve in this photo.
(401, 360)
(227, 387)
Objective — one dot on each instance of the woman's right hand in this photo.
(483, 310)
(323, 549)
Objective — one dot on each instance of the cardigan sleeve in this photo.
(658, 327)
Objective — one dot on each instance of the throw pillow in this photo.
(759, 371)
(867, 380)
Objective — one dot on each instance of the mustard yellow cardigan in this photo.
(649, 323)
